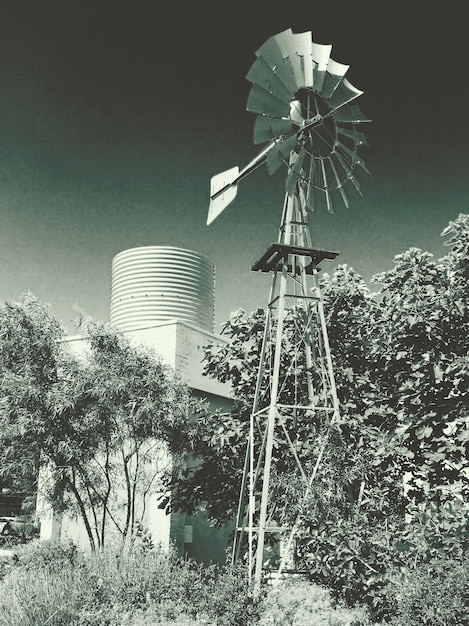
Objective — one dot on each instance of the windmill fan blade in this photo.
(334, 74)
(345, 92)
(310, 191)
(297, 49)
(350, 114)
(352, 155)
(293, 174)
(358, 138)
(268, 128)
(223, 189)
(263, 102)
(347, 167)
(325, 187)
(321, 54)
(262, 74)
(272, 54)
(295, 112)
(280, 153)
(339, 183)
(302, 198)
(287, 46)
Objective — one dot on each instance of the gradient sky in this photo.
(114, 115)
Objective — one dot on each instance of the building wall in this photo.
(180, 344)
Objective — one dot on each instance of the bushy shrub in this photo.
(39, 555)
(8, 541)
(354, 560)
(229, 598)
(433, 594)
(58, 585)
(300, 603)
(141, 579)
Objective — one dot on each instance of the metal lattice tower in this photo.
(306, 112)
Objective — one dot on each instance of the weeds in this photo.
(55, 585)
(49, 584)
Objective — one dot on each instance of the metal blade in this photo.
(293, 173)
(334, 74)
(280, 153)
(263, 102)
(262, 74)
(321, 54)
(339, 183)
(271, 53)
(306, 53)
(350, 114)
(353, 156)
(344, 93)
(268, 128)
(330, 206)
(302, 198)
(223, 189)
(310, 192)
(358, 138)
(295, 112)
(298, 49)
(348, 171)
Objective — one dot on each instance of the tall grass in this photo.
(55, 585)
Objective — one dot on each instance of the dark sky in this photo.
(114, 115)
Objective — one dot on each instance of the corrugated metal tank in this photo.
(155, 283)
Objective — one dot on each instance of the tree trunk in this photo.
(82, 508)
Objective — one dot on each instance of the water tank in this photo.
(155, 283)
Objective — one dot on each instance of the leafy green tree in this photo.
(422, 359)
(100, 424)
(30, 357)
(399, 453)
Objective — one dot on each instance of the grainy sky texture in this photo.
(114, 115)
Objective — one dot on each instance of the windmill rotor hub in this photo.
(311, 121)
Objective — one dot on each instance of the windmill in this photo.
(307, 116)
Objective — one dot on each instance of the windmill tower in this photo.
(306, 114)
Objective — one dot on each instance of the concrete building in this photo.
(163, 298)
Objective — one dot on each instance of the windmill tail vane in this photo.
(307, 116)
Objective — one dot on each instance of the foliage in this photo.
(434, 594)
(43, 555)
(59, 585)
(298, 603)
(100, 424)
(392, 488)
(115, 587)
(423, 370)
(30, 357)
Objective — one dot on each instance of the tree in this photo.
(101, 423)
(422, 366)
(30, 357)
(400, 449)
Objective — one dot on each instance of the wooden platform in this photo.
(278, 253)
